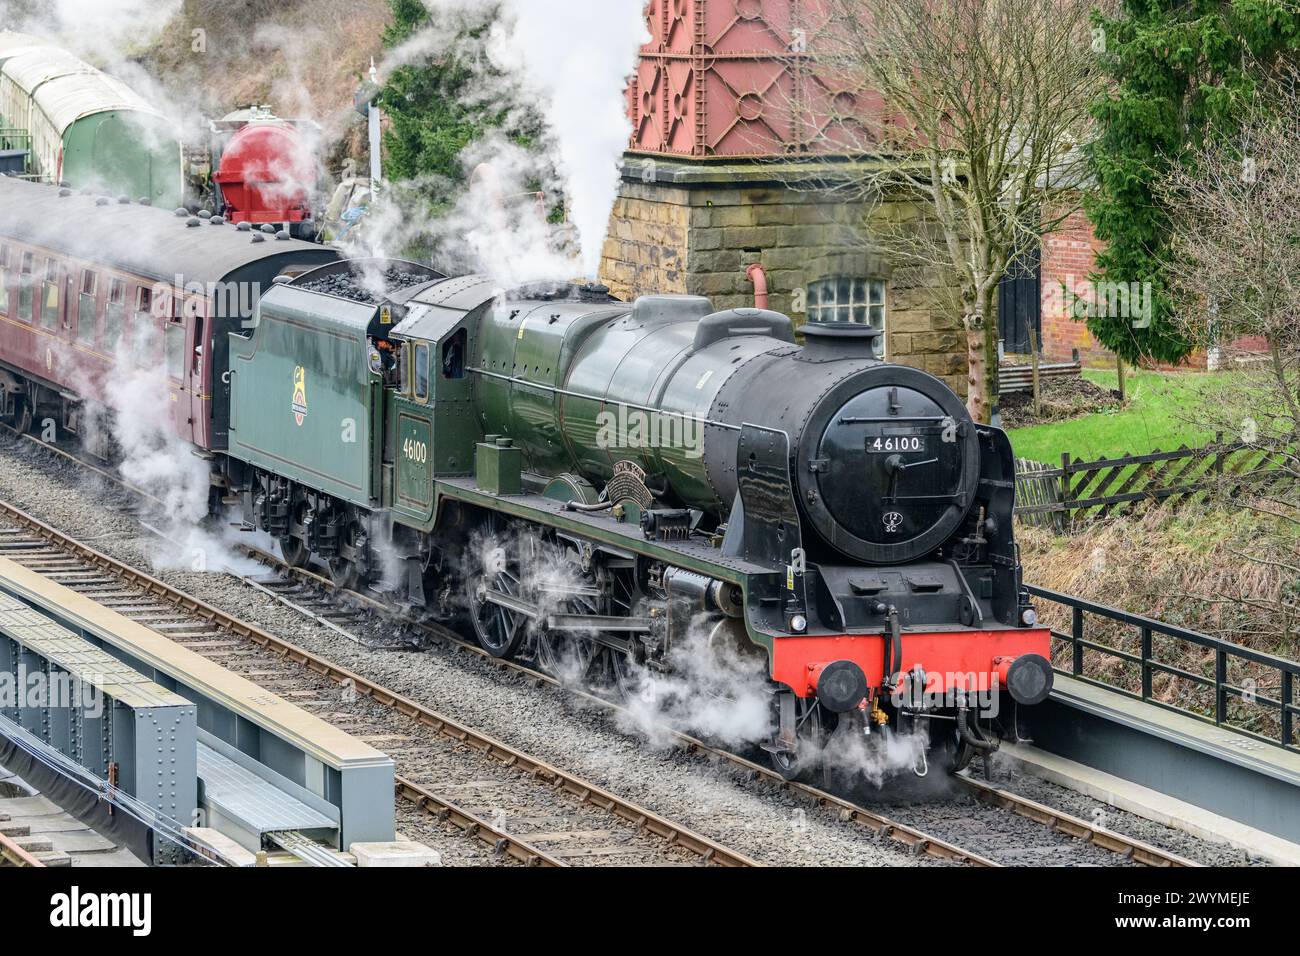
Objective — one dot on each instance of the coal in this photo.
(349, 285)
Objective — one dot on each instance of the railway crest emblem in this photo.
(892, 520)
(299, 394)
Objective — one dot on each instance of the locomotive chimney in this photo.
(829, 341)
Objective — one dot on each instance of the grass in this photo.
(1161, 412)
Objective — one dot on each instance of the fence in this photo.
(1059, 495)
(1236, 687)
(1020, 378)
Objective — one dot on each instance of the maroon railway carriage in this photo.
(93, 288)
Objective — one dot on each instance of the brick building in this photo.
(1042, 290)
(720, 176)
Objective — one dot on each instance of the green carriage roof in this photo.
(65, 88)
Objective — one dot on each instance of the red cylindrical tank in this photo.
(267, 174)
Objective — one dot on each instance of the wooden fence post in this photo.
(1065, 486)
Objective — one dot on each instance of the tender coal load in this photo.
(368, 288)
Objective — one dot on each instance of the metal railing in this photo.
(1277, 714)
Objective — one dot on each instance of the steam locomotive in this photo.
(593, 484)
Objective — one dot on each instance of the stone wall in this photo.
(694, 229)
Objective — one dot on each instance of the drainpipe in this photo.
(757, 276)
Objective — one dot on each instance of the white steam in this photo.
(567, 62)
(99, 29)
(713, 690)
(572, 60)
(497, 227)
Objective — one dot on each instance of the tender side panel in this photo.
(303, 399)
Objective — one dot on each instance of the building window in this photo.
(847, 300)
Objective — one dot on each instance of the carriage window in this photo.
(453, 356)
(175, 343)
(26, 291)
(422, 372)
(50, 296)
(115, 313)
(86, 311)
(4, 280)
(144, 301)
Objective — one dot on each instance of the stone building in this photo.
(696, 228)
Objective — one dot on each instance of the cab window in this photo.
(422, 372)
(453, 355)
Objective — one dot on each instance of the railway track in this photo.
(296, 581)
(587, 822)
(316, 597)
(1127, 847)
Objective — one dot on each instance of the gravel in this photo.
(1008, 775)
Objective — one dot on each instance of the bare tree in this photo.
(979, 108)
(1234, 275)
(1235, 252)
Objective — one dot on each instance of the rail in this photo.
(1265, 687)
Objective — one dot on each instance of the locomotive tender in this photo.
(645, 474)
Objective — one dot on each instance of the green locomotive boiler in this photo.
(596, 484)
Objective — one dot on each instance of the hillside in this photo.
(305, 58)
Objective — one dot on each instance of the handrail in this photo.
(1224, 652)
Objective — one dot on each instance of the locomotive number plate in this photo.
(894, 443)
